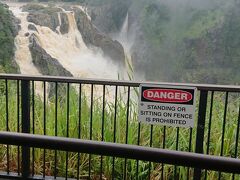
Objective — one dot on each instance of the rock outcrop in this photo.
(47, 65)
(47, 16)
(92, 36)
(64, 23)
(32, 27)
(9, 27)
(44, 62)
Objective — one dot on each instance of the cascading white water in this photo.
(60, 23)
(69, 49)
(22, 54)
(72, 53)
(123, 38)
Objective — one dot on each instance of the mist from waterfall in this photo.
(126, 37)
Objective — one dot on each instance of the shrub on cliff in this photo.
(7, 34)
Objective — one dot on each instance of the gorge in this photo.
(174, 41)
(62, 41)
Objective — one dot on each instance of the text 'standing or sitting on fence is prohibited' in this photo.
(167, 105)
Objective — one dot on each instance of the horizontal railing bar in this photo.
(13, 175)
(188, 159)
(10, 175)
(61, 79)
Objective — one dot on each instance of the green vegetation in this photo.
(81, 124)
(188, 41)
(203, 21)
(7, 34)
(153, 21)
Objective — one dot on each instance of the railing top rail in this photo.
(62, 79)
(189, 159)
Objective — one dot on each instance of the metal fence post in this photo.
(25, 103)
(200, 129)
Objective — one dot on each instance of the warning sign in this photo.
(167, 105)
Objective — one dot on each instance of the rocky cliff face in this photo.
(101, 17)
(49, 17)
(47, 65)
(9, 27)
(92, 36)
(44, 62)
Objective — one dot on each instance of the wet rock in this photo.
(47, 16)
(9, 24)
(44, 62)
(42, 19)
(92, 36)
(47, 65)
(64, 23)
(26, 34)
(32, 27)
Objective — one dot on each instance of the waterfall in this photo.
(22, 53)
(60, 22)
(69, 49)
(73, 54)
(123, 36)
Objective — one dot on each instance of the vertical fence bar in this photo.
(56, 128)
(189, 150)
(103, 114)
(67, 125)
(7, 123)
(200, 129)
(126, 140)
(237, 138)
(209, 128)
(79, 126)
(18, 125)
(91, 122)
(150, 144)
(224, 123)
(164, 144)
(114, 128)
(138, 143)
(44, 126)
(177, 142)
(33, 126)
(25, 91)
(223, 129)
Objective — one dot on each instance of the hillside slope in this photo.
(8, 31)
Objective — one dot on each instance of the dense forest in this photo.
(179, 41)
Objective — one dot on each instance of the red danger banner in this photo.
(167, 105)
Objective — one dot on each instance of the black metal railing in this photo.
(187, 159)
(104, 110)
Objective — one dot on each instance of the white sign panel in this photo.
(167, 105)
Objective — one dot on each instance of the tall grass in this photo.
(115, 115)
